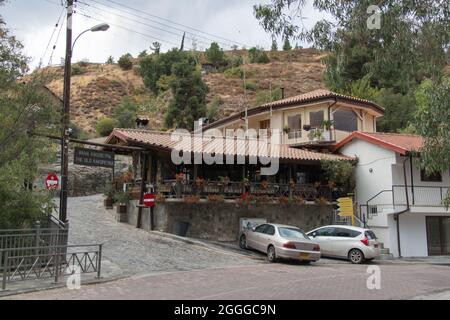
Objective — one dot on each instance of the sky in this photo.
(135, 25)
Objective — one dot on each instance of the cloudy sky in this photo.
(135, 24)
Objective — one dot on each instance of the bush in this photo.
(125, 62)
(77, 70)
(251, 86)
(106, 126)
(235, 72)
(76, 132)
(258, 55)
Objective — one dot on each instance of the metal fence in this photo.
(32, 263)
(420, 195)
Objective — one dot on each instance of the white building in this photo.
(390, 184)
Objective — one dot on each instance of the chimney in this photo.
(282, 93)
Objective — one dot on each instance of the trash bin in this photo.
(181, 228)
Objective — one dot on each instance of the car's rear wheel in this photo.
(243, 242)
(271, 255)
(356, 256)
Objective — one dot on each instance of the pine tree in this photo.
(287, 45)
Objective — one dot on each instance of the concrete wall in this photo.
(220, 221)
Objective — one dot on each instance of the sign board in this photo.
(94, 158)
(149, 200)
(346, 207)
(52, 182)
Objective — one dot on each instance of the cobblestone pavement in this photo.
(135, 251)
(269, 282)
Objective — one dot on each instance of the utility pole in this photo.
(66, 117)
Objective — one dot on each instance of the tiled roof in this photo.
(401, 143)
(240, 147)
(318, 94)
(313, 96)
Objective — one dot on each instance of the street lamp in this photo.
(66, 114)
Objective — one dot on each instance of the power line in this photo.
(127, 18)
(175, 23)
(86, 15)
(56, 42)
(151, 20)
(53, 33)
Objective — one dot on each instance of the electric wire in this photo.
(53, 33)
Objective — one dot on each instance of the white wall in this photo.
(373, 173)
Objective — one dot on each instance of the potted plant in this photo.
(307, 127)
(122, 199)
(327, 125)
(286, 129)
(109, 194)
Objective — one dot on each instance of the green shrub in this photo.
(258, 55)
(77, 70)
(76, 132)
(251, 86)
(236, 72)
(105, 126)
(125, 62)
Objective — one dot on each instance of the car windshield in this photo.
(292, 233)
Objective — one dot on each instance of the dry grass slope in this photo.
(101, 87)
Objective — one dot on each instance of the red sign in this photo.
(149, 200)
(52, 182)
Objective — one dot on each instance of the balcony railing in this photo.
(428, 196)
(232, 190)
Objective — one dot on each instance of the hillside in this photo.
(98, 88)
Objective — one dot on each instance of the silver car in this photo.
(280, 241)
(352, 243)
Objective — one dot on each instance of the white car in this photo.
(352, 243)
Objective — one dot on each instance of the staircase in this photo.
(385, 253)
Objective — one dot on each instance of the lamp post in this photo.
(66, 114)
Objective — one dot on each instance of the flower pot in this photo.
(122, 213)
(109, 203)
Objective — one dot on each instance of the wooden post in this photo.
(143, 184)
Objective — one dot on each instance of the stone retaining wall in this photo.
(220, 221)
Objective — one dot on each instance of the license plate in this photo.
(304, 256)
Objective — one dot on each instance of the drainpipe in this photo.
(401, 212)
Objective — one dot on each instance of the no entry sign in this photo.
(52, 182)
(149, 200)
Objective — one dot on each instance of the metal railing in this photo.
(432, 196)
(308, 192)
(31, 263)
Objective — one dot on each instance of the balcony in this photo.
(421, 196)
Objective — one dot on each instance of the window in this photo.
(262, 228)
(370, 235)
(295, 126)
(292, 233)
(346, 233)
(435, 177)
(270, 230)
(264, 124)
(325, 232)
(345, 120)
(316, 119)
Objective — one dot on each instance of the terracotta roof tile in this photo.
(240, 147)
(401, 143)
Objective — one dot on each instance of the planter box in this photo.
(122, 213)
(109, 203)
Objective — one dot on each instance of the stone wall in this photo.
(220, 221)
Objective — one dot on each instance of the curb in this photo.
(8, 293)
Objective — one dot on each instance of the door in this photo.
(325, 237)
(254, 238)
(438, 235)
(267, 237)
(344, 241)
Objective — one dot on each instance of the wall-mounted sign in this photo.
(94, 158)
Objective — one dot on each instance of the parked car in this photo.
(280, 241)
(355, 244)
